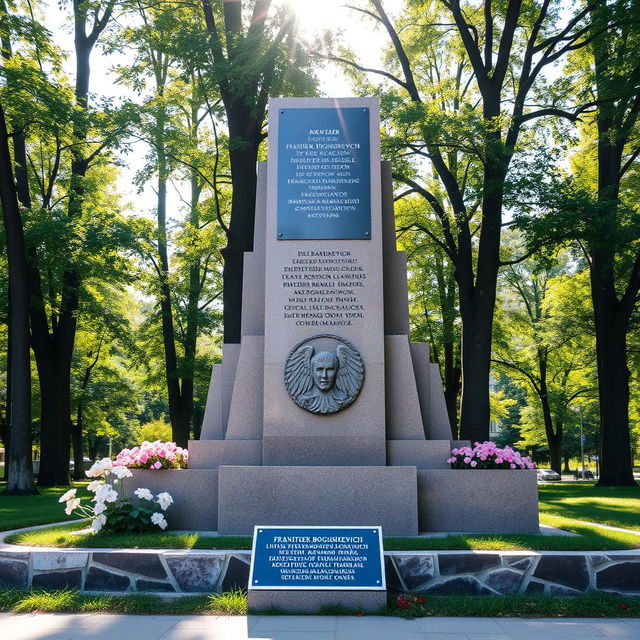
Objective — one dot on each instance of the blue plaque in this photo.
(324, 174)
(332, 558)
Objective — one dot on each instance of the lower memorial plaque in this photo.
(317, 558)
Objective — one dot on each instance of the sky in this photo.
(313, 17)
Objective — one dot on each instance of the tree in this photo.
(20, 470)
(599, 210)
(433, 303)
(614, 284)
(252, 58)
(18, 467)
(542, 349)
(485, 62)
(53, 345)
(173, 120)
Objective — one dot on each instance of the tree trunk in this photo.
(18, 455)
(616, 462)
(92, 445)
(555, 453)
(243, 154)
(179, 418)
(76, 444)
(476, 367)
(7, 414)
(554, 436)
(477, 298)
(566, 468)
(452, 376)
(54, 374)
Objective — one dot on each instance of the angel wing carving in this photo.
(297, 373)
(351, 371)
(324, 382)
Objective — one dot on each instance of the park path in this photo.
(107, 627)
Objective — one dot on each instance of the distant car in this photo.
(85, 460)
(548, 475)
(588, 474)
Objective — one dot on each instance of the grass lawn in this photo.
(560, 506)
(591, 538)
(235, 603)
(27, 511)
(616, 506)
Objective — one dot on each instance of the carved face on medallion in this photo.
(324, 367)
(324, 381)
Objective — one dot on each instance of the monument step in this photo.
(194, 493)
(211, 454)
(424, 454)
(478, 500)
(385, 496)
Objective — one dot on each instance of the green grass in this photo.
(616, 506)
(70, 601)
(591, 538)
(592, 605)
(28, 511)
(560, 506)
(62, 536)
(235, 603)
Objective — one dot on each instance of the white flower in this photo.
(164, 500)
(105, 493)
(99, 508)
(99, 468)
(71, 505)
(97, 523)
(67, 496)
(94, 485)
(158, 519)
(121, 472)
(143, 494)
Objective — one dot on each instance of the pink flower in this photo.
(157, 465)
(474, 463)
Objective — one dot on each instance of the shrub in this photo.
(112, 511)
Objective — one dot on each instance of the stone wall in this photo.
(435, 572)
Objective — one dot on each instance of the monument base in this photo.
(315, 601)
(386, 496)
(194, 493)
(478, 501)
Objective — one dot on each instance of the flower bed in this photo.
(488, 455)
(113, 509)
(154, 455)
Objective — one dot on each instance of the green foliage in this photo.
(158, 429)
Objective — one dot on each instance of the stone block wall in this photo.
(120, 571)
(435, 572)
(551, 573)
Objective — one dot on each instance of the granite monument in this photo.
(326, 413)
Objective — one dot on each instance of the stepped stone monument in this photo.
(326, 413)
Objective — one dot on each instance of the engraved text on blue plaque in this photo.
(324, 181)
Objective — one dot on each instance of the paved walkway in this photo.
(110, 627)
